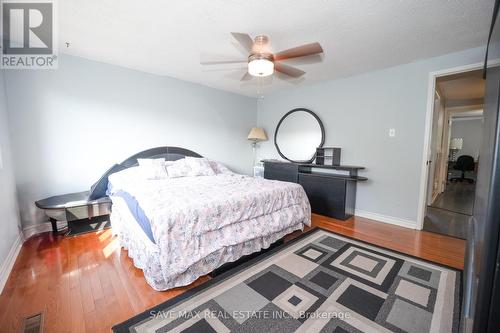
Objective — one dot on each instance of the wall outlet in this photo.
(392, 132)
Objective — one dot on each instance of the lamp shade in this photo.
(456, 143)
(257, 134)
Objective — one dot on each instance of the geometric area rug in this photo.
(319, 282)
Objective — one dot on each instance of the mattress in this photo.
(199, 223)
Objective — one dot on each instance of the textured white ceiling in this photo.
(170, 37)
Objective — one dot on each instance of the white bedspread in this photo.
(205, 221)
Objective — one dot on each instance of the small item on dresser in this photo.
(328, 156)
(258, 170)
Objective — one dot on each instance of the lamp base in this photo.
(254, 150)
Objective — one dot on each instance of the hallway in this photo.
(451, 210)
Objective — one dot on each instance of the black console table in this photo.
(73, 207)
(330, 194)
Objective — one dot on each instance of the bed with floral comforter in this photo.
(200, 223)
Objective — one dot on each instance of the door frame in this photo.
(424, 174)
(434, 169)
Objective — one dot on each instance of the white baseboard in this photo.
(35, 229)
(387, 219)
(7, 265)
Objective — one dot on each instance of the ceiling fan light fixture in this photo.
(260, 66)
(261, 62)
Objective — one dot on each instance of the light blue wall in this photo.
(358, 112)
(9, 214)
(70, 125)
(471, 131)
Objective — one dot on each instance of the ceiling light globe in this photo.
(260, 67)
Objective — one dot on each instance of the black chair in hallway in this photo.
(464, 163)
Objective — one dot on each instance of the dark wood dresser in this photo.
(331, 192)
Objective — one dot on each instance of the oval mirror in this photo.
(298, 134)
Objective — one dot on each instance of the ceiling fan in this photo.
(261, 62)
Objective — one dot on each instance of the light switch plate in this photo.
(392, 132)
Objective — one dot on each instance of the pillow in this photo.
(219, 168)
(178, 169)
(153, 168)
(98, 190)
(200, 166)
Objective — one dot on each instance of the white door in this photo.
(435, 158)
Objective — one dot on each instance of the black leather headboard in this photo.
(98, 190)
(169, 153)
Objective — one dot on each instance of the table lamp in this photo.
(455, 145)
(256, 135)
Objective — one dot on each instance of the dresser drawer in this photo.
(287, 172)
(327, 196)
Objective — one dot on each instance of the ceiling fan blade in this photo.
(299, 51)
(289, 79)
(306, 60)
(246, 77)
(244, 39)
(221, 62)
(288, 70)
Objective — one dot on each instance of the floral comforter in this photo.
(199, 223)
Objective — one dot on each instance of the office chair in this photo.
(464, 163)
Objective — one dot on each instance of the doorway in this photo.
(456, 133)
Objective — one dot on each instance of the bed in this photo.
(178, 229)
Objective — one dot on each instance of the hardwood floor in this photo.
(426, 245)
(451, 210)
(88, 284)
